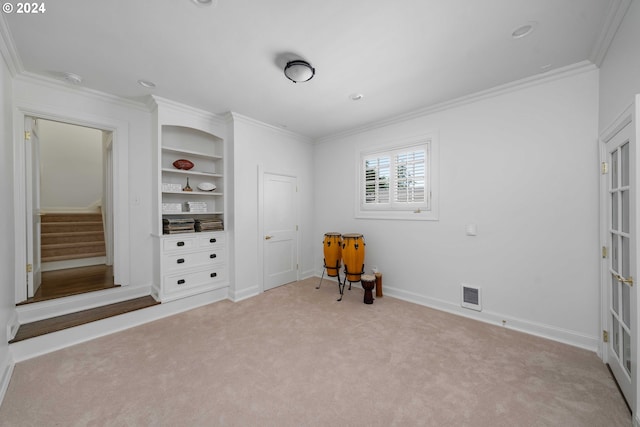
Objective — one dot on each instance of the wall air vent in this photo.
(471, 297)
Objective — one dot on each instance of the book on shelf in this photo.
(209, 224)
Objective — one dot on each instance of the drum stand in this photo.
(344, 283)
(325, 269)
(341, 283)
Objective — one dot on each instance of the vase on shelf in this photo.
(187, 188)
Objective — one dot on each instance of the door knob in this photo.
(628, 281)
(267, 237)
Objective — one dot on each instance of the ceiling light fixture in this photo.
(146, 83)
(205, 2)
(72, 78)
(523, 30)
(299, 71)
(356, 96)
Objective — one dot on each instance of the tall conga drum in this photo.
(332, 246)
(353, 256)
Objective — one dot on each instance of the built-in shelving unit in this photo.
(188, 261)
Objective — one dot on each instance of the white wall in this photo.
(523, 166)
(620, 70)
(71, 166)
(277, 151)
(7, 278)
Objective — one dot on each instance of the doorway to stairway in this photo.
(69, 215)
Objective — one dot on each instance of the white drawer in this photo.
(187, 280)
(179, 261)
(178, 243)
(210, 241)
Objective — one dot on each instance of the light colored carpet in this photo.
(294, 356)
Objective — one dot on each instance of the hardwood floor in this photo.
(42, 327)
(73, 281)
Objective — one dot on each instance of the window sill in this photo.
(398, 215)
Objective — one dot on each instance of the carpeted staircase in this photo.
(66, 236)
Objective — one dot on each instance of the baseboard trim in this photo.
(7, 372)
(564, 336)
(244, 293)
(28, 349)
(13, 324)
(28, 313)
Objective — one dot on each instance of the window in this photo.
(398, 182)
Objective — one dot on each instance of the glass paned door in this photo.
(621, 262)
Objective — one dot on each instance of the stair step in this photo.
(73, 256)
(71, 248)
(42, 327)
(65, 227)
(70, 217)
(71, 237)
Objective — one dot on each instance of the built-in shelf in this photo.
(182, 152)
(192, 172)
(194, 193)
(191, 249)
(168, 214)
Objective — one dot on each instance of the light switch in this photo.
(472, 229)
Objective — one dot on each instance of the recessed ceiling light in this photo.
(72, 78)
(146, 83)
(205, 2)
(523, 30)
(356, 96)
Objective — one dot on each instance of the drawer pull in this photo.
(180, 243)
(214, 274)
(181, 282)
(212, 256)
(180, 261)
(212, 240)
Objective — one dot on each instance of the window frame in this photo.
(427, 210)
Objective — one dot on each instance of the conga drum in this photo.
(353, 256)
(332, 246)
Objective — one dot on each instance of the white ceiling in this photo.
(401, 55)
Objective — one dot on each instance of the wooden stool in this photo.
(368, 282)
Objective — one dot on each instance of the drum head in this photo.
(332, 234)
(352, 236)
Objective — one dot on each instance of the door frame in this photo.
(32, 177)
(119, 185)
(261, 232)
(627, 118)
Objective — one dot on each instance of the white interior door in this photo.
(280, 230)
(32, 181)
(621, 260)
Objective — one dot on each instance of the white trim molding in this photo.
(549, 76)
(615, 15)
(120, 130)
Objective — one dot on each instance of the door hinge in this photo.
(605, 336)
(27, 135)
(296, 228)
(604, 168)
(296, 266)
(604, 252)
(29, 268)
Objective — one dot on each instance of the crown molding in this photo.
(615, 15)
(248, 120)
(52, 83)
(154, 100)
(538, 79)
(8, 49)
